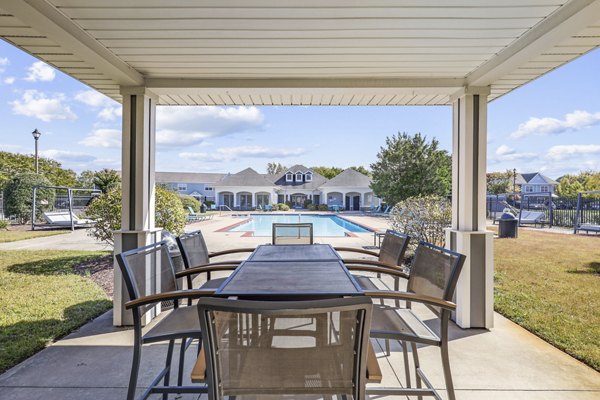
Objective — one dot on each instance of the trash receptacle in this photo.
(202, 208)
(508, 226)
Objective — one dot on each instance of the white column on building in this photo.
(137, 220)
(475, 288)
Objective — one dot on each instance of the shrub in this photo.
(307, 203)
(312, 207)
(289, 204)
(4, 223)
(323, 207)
(423, 218)
(190, 201)
(209, 203)
(18, 196)
(283, 207)
(274, 207)
(106, 211)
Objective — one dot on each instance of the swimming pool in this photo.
(323, 225)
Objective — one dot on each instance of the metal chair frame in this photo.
(299, 226)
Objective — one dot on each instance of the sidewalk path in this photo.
(76, 240)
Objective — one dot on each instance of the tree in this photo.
(362, 170)
(86, 179)
(275, 168)
(500, 182)
(570, 185)
(410, 166)
(12, 164)
(18, 196)
(423, 218)
(105, 210)
(327, 172)
(107, 180)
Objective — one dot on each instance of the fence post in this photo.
(577, 214)
(551, 206)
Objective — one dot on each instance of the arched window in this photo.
(299, 176)
(289, 177)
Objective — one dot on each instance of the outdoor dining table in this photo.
(292, 272)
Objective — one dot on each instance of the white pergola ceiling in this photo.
(309, 52)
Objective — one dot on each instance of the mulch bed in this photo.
(100, 271)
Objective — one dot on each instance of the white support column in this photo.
(137, 218)
(468, 235)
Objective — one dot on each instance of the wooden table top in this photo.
(291, 271)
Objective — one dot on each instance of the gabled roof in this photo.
(349, 177)
(317, 179)
(526, 178)
(246, 177)
(187, 177)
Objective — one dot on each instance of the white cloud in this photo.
(111, 113)
(574, 121)
(9, 80)
(9, 147)
(66, 155)
(93, 98)
(180, 126)
(3, 63)
(572, 150)
(39, 105)
(106, 138)
(506, 153)
(233, 153)
(40, 71)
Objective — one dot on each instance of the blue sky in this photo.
(550, 125)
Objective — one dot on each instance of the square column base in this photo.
(475, 288)
(124, 241)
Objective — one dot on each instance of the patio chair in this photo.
(273, 348)
(63, 218)
(194, 216)
(153, 264)
(390, 255)
(293, 233)
(431, 282)
(196, 259)
(532, 218)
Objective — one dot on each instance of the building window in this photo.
(529, 189)
(299, 176)
(289, 177)
(308, 177)
(208, 188)
(182, 187)
(544, 188)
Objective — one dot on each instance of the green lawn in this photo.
(550, 284)
(13, 236)
(42, 300)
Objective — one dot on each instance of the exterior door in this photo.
(228, 200)
(347, 203)
(356, 203)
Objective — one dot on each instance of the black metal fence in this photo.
(559, 211)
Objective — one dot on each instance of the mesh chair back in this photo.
(147, 270)
(434, 272)
(193, 249)
(292, 233)
(307, 347)
(393, 247)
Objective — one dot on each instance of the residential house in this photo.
(535, 182)
(197, 184)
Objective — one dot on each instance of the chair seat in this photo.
(213, 283)
(390, 322)
(179, 323)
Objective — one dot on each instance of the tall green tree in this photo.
(18, 195)
(500, 182)
(107, 180)
(570, 185)
(12, 164)
(275, 168)
(86, 179)
(327, 172)
(362, 170)
(410, 166)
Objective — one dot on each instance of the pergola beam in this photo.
(561, 25)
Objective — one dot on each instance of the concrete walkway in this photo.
(505, 363)
(76, 240)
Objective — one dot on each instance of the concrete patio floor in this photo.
(506, 362)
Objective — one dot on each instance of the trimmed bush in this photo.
(106, 211)
(18, 196)
(323, 207)
(283, 207)
(311, 207)
(423, 218)
(190, 201)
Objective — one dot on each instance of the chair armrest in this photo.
(354, 250)
(222, 253)
(383, 269)
(232, 262)
(206, 268)
(413, 297)
(175, 295)
(371, 262)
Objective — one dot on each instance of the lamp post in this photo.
(36, 135)
(514, 180)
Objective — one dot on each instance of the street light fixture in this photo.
(36, 135)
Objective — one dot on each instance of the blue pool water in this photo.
(323, 225)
